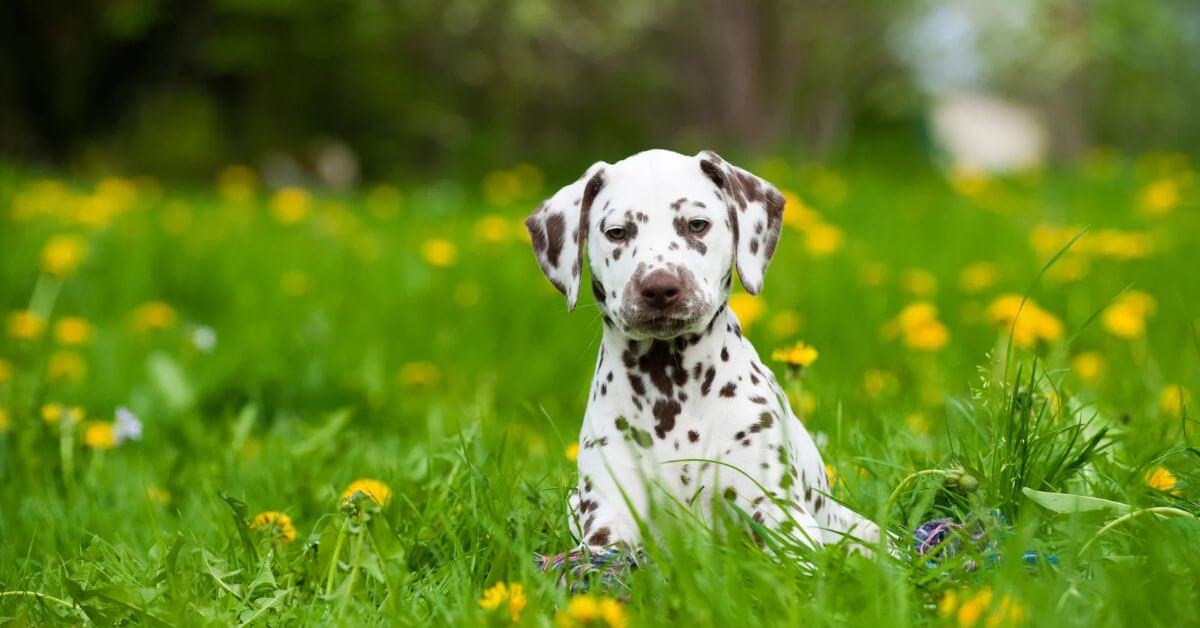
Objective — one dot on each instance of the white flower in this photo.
(204, 338)
(127, 427)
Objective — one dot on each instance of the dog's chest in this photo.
(707, 397)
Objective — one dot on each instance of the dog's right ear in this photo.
(558, 230)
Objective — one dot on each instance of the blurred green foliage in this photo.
(179, 87)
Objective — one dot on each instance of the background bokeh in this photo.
(274, 347)
(336, 90)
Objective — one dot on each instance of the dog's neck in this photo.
(723, 333)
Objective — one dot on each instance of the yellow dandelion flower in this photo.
(916, 422)
(419, 374)
(100, 435)
(573, 452)
(52, 413)
(236, 183)
(919, 327)
(494, 597)
(1089, 366)
(439, 252)
(1121, 245)
(295, 283)
(918, 282)
(153, 315)
(25, 325)
(1007, 612)
(1160, 479)
(589, 610)
(823, 240)
(977, 277)
(1032, 323)
(948, 604)
(798, 355)
(63, 254)
(1070, 268)
(6, 370)
(876, 382)
(797, 214)
(973, 608)
(66, 366)
(493, 229)
(291, 205)
(278, 524)
(929, 336)
(1159, 197)
(831, 474)
(500, 594)
(379, 492)
(1126, 316)
(73, 330)
(747, 308)
(1173, 399)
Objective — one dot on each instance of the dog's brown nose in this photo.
(660, 290)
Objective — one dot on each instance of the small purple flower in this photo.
(127, 427)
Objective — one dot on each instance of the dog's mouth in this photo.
(661, 325)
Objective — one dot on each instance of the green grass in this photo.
(342, 354)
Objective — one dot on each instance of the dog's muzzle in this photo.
(662, 303)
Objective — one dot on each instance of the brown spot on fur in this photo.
(555, 226)
(665, 411)
(663, 366)
(708, 380)
(694, 241)
(600, 538)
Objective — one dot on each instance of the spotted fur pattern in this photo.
(680, 400)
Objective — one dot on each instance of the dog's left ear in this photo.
(558, 231)
(755, 216)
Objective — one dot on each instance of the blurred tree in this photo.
(178, 87)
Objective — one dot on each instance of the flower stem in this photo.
(887, 506)
(1160, 510)
(333, 562)
(354, 563)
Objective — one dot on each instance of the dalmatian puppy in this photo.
(681, 408)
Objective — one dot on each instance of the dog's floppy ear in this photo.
(755, 216)
(558, 230)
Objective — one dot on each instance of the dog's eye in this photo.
(698, 225)
(615, 233)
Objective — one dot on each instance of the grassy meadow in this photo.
(232, 405)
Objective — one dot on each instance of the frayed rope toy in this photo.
(578, 567)
(942, 538)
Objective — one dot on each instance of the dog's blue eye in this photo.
(698, 225)
(615, 233)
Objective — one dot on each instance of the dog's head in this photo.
(663, 233)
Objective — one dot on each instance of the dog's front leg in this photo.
(612, 493)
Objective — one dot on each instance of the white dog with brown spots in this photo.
(680, 401)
